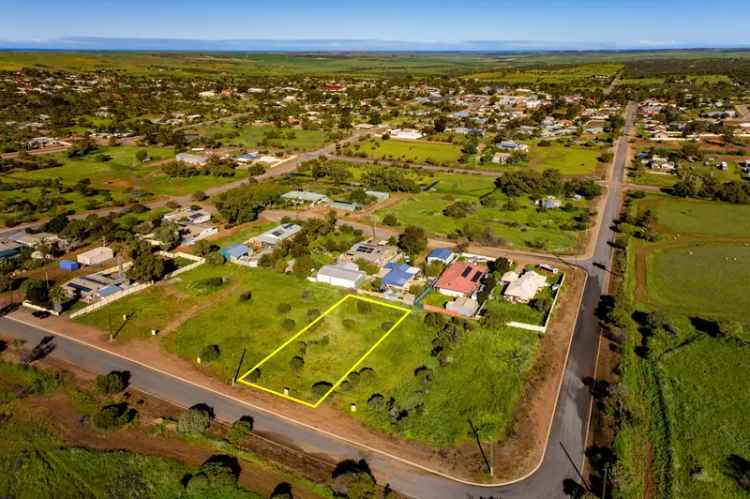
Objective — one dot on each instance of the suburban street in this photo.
(567, 440)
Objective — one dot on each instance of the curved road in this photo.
(569, 427)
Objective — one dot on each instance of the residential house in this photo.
(96, 256)
(305, 197)
(461, 279)
(442, 255)
(525, 288)
(10, 249)
(405, 134)
(379, 254)
(342, 274)
(399, 275)
(192, 159)
(501, 158)
(275, 236)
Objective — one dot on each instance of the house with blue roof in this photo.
(235, 251)
(442, 255)
(399, 275)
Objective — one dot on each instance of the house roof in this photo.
(235, 251)
(526, 286)
(343, 271)
(440, 254)
(461, 277)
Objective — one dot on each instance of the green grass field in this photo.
(571, 161)
(683, 383)
(34, 463)
(411, 151)
(708, 408)
(290, 139)
(706, 280)
(327, 349)
(698, 217)
(582, 75)
(124, 172)
(202, 316)
(249, 64)
(521, 227)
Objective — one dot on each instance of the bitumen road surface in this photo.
(566, 445)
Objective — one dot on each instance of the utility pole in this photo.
(490, 469)
(239, 366)
(578, 472)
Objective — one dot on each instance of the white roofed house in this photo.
(342, 274)
(271, 238)
(525, 288)
(192, 159)
(304, 197)
(96, 256)
(405, 134)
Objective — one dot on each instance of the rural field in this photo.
(571, 160)
(519, 224)
(313, 362)
(288, 139)
(411, 151)
(403, 387)
(117, 169)
(683, 372)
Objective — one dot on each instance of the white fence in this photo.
(197, 262)
(111, 298)
(540, 329)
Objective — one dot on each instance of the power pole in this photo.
(239, 366)
(578, 472)
(490, 469)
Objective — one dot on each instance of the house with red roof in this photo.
(461, 279)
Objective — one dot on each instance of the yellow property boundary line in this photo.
(330, 309)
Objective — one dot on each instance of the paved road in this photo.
(569, 424)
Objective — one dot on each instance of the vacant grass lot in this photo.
(325, 352)
(683, 383)
(411, 151)
(570, 160)
(709, 412)
(523, 226)
(289, 139)
(429, 406)
(705, 280)
(123, 172)
(698, 217)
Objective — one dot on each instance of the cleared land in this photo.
(518, 224)
(405, 386)
(688, 408)
(117, 169)
(707, 279)
(267, 136)
(312, 363)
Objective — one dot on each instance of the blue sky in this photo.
(622, 23)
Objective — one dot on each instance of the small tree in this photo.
(210, 353)
(195, 420)
(413, 240)
(240, 430)
(113, 382)
(59, 297)
(297, 363)
(114, 416)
